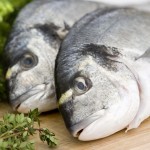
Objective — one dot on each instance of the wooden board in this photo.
(137, 139)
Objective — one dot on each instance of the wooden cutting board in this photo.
(137, 139)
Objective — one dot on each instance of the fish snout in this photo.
(41, 96)
(77, 124)
(78, 113)
(77, 129)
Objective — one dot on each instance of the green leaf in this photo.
(5, 117)
(4, 144)
(17, 118)
(34, 114)
(29, 120)
(11, 118)
(42, 137)
(31, 131)
(23, 145)
(25, 134)
(1, 141)
(15, 145)
(22, 118)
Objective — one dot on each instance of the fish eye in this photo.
(81, 85)
(28, 61)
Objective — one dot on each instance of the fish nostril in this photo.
(53, 95)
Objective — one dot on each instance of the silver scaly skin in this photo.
(103, 75)
(32, 48)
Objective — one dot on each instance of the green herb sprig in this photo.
(15, 130)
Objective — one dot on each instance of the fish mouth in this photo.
(77, 129)
(106, 121)
(40, 96)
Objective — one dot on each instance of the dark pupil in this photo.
(28, 61)
(80, 85)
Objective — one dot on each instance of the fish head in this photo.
(98, 95)
(30, 76)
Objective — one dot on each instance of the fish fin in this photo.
(142, 69)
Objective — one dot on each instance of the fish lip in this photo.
(16, 102)
(78, 128)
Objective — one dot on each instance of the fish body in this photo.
(102, 74)
(32, 48)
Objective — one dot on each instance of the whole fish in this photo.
(103, 75)
(32, 48)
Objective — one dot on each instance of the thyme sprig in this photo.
(15, 130)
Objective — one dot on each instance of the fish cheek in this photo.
(14, 80)
(22, 82)
(79, 108)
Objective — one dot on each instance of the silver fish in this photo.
(32, 48)
(103, 75)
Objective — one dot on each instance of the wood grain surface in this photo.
(137, 139)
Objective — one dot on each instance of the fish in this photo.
(32, 47)
(102, 73)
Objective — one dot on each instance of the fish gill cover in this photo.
(8, 12)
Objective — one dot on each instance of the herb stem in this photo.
(8, 132)
(14, 134)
